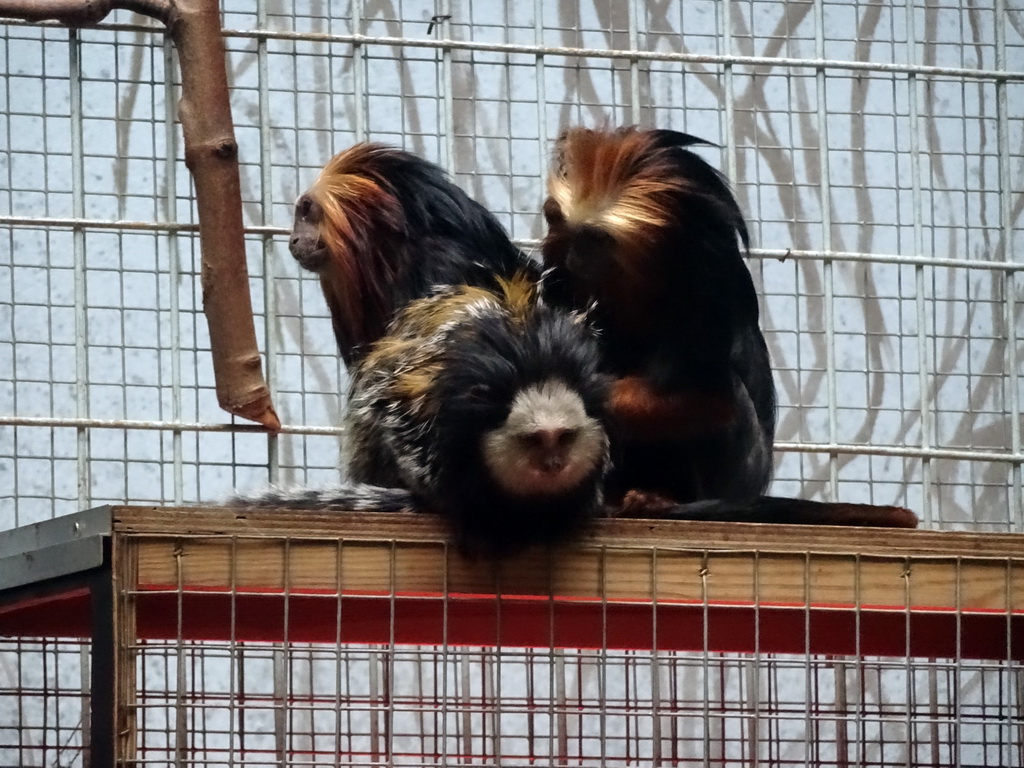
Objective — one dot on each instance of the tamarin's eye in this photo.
(567, 437)
(306, 208)
(479, 392)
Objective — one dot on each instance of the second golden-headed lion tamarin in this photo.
(382, 227)
(651, 235)
(483, 406)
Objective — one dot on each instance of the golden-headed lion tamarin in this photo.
(382, 227)
(651, 235)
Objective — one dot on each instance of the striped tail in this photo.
(352, 497)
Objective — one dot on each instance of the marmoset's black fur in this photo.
(485, 407)
(382, 227)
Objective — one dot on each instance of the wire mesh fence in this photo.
(371, 705)
(273, 639)
(876, 149)
(890, 291)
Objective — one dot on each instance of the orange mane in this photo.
(360, 215)
(620, 182)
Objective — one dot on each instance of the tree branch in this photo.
(211, 154)
(76, 13)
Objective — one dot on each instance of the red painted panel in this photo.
(479, 620)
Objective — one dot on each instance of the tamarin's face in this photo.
(584, 250)
(611, 206)
(348, 207)
(547, 445)
(306, 244)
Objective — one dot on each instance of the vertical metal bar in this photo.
(655, 666)
(8, 174)
(44, 675)
(561, 724)
(842, 711)
(467, 698)
(729, 130)
(958, 661)
(542, 99)
(339, 678)
(826, 246)
(174, 265)
(858, 721)
(705, 659)
(234, 652)
(1016, 510)
(282, 668)
(634, 11)
(100, 702)
(124, 436)
(809, 693)
(488, 706)
(78, 246)
(424, 689)
(602, 667)
(270, 324)
(181, 730)
(754, 672)
(908, 668)
(933, 714)
(280, 687)
(85, 681)
(359, 66)
(1014, 671)
(553, 654)
(927, 514)
(493, 671)
(445, 656)
(444, 10)
(389, 659)
(729, 143)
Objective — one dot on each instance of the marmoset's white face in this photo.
(548, 444)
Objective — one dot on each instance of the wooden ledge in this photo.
(228, 574)
(618, 534)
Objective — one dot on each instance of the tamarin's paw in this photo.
(637, 503)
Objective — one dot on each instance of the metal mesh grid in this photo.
(395, 703)
(887, 266)
(305, 705)
(892, 312)
(44, 703)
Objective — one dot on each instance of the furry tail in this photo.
(352, 497)
(774, 509)
(765, 509)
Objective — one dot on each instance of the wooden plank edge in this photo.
(205, 521)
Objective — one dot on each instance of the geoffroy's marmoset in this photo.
(483, 406)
